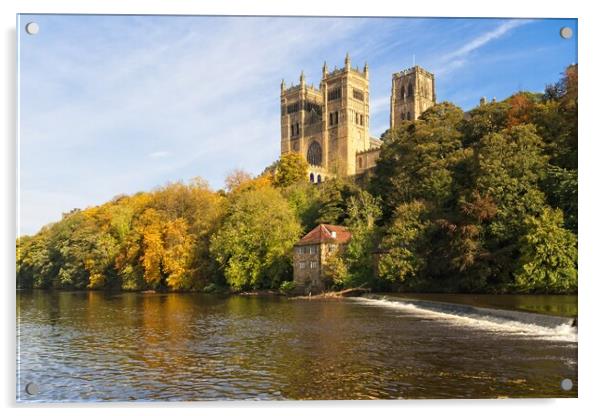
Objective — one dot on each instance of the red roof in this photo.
(323, 233)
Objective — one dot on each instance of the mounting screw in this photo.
(32, 28)
(566, 384)
(566, 32)
(31, 389)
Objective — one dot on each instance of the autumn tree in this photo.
(290, 169)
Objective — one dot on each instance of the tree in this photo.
(290, 169)
(363, 211)
(253, 245)
(402, 257)
(548, 255)
(417, 160)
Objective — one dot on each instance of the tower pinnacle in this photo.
(347, 62)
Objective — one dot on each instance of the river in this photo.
(95, 346)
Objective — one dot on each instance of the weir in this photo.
(480, 313)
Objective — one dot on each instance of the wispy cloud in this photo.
(159, 154)
(485, 38)
(459, 57)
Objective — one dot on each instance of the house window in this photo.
(312, 250)
(313, 265)
(302, 265)
(332, 247)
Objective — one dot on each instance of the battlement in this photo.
(414, 69)
(298, 87)
(338, 71)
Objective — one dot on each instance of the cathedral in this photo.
(329, 125)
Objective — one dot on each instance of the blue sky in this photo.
(119, 104)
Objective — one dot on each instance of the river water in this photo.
(94, 346)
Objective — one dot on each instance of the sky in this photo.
(113, 105)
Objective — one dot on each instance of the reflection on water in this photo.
(96, 346)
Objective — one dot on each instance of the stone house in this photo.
(311, 254)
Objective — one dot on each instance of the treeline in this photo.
(484, 201)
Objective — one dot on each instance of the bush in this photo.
(287, 287)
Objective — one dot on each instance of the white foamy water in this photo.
(487, 321)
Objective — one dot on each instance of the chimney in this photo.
(333, 234)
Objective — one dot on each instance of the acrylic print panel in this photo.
(287, 208)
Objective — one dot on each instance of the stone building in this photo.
(412, 93)
(329, 125)
(311, 255)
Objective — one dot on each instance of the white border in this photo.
(590, 24)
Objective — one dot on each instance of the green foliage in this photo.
(254, 243)
(336, 273)
(548, 255)
(402, 257)
(287, 287)
(363, 211)
(417, 160)
(509, 167)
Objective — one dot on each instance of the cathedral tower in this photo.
(412, 92)
(329, 125)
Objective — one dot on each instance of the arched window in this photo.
(311, 177)
(408, 116)
(314, 154)
(319, 179)
(410, 91)
(360, 162)
(403, 92)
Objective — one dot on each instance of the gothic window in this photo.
(408, 116)
(403, 92)
(319, 179)
(361, 119)
(360, 162)
(314, 154)
(358, 95)
(311, 177)
(292, 108)
(334, 94)
(292, 129)
(410, 91)
(334, 118)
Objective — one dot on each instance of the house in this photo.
(311, 255)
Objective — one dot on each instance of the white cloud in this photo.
(159, 154)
